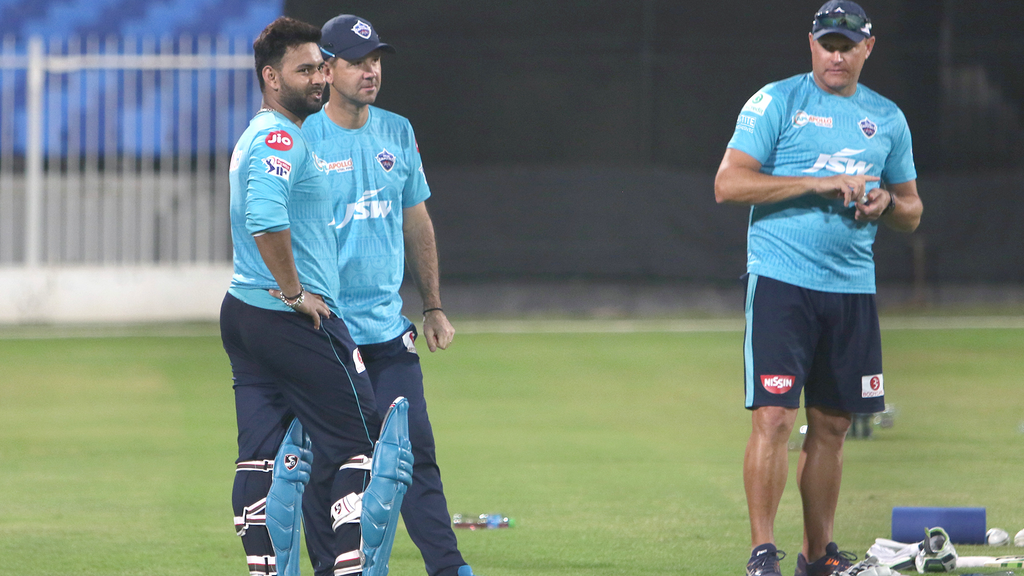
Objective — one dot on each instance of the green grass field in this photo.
(617, 453)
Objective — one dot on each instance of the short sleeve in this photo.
(274, 158)
(416, 189)
(899, 165)
(758, 125)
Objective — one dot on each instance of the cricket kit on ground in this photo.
(374, 173)
(283, 369)
(813, 246)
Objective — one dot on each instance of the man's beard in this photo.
(299, 102)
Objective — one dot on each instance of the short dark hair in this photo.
(277, 38)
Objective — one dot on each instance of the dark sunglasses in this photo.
(836, 19)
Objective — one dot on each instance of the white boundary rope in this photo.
(466, 327)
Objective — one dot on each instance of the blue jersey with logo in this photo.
(276, 185)
(374, 173)
(794, 128)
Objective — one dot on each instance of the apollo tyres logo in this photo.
(802, 118)
(777, 384)
(366, 208)
(338, 166)
(841, 162)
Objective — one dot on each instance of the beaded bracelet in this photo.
(292, 302)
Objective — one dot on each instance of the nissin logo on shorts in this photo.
(841, 163)
(777, 384)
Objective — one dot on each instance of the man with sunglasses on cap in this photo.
(376, 177)
(821, 160)
(296, 370)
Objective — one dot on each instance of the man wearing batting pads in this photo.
(379, 188)
(808, 153)
(297, 373)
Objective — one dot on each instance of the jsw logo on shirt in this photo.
(841, 163)
(366, 208)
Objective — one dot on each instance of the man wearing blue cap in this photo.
(377, 181)
(821, 160)
(296, 370)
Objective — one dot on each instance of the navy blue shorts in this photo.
(283, 368)
(825, 343)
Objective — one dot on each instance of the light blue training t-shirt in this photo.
(276, 185)
(794, 128)
(374, 173)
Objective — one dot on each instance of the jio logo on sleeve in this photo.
(279, 140)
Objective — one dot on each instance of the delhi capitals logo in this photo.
(868, 127)
(386, 159)
(362, 29)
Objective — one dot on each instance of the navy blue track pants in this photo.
(283, 368)
(394, 370)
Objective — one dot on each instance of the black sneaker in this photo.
(764, 561)
(833, 562)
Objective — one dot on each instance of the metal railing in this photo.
(115, 151)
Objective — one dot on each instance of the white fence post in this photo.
(34, 153)
(123, 152)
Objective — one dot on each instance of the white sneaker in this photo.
(937, 553)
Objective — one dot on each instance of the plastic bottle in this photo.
(887, 418)
(860, 427)
(797, 442)
(482, 521)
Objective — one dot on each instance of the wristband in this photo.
(294, 301)
(432, 310)
(891, 206)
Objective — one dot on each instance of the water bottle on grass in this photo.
(482, 521)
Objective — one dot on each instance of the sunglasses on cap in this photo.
(840, 19)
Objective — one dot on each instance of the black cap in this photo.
(841, 17)
(350, 37)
